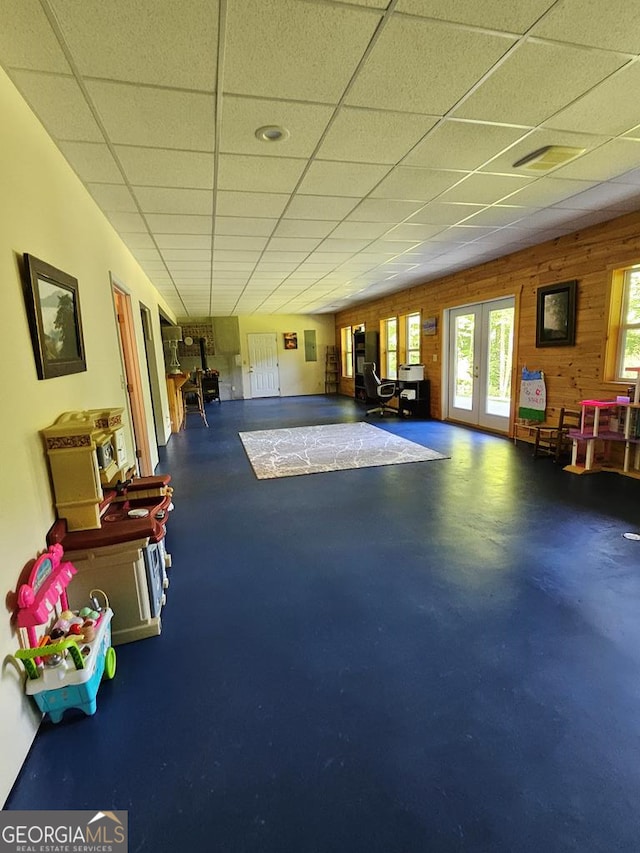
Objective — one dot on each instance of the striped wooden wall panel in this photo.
(572, 373)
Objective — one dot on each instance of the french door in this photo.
(263, 365)
(480, 362)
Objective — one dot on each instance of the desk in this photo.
(175, 381)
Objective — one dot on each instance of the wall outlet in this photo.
(233, 387)
(434, 357)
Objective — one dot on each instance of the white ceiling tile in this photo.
(259, 174)
(248, 259)
(361, 230)
(113, 197)
(242, 226)
(153, 265)
(304, 228)
(173, 255)
(166, 223)
(424, 66)
(183, 241)
(382, 210)
(608, 161)
(157, 118)
(341, 179)
(276, 267)
(188, 266)
(137, 241)
(614, 25)
(238, 244)
(293, 244)
(157, 167)
(242, 116)
(342, 245)
(249, 204)
(301, 51)
(462, 145)
(536, 139)
(328, 259)
(143, 48)
(605, 195)
(551, 217)
(412, 231)
(522, 90)
(498, 215)
(24, 25)
(610, 108)
(319, 207)
(547, 191)
(630, 177)
(417, 184)
(234, 266)
(484, 188)
(441, 213)
(373, 136)
(174, 200)
(131, 223)
(282, 257)
(59, 104)
(92, 161)
(146, 255)
(514, 17)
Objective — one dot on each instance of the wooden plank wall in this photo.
(572, 373)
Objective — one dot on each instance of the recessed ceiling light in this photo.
(272, 133)
(547, 158)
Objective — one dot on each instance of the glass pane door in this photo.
(480, 363)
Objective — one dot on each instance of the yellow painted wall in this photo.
(46, 212)
(297, 376)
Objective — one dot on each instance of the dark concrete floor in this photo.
(439, 656)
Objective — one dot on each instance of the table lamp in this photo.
(173, 334)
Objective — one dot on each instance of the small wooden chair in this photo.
(554, 440)
(193, 399)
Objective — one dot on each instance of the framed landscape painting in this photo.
(53, 308)
(556, 315)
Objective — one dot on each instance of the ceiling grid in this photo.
(402, 121)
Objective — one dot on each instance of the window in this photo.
(629, 333)
(390, 348)
(623, 341)
(346, 350)
(413, 339)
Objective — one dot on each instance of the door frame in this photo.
(446, 360)
(132, 377)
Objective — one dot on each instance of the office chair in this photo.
(376, 389)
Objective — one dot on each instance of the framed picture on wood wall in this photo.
(53, 308)
(556, 315)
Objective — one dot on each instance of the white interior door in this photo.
(480, 363)
(263, 365)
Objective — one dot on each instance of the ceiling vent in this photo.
(547, 158)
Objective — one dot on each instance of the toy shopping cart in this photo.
(66, 664)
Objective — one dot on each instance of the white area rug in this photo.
(334, 447)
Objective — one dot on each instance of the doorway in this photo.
(480, 358)
(131, 364)
(263, 365)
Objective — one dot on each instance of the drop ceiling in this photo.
(403, 121)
